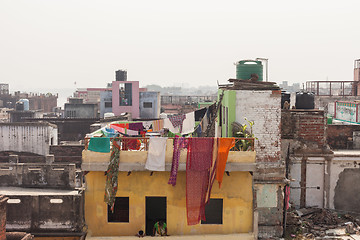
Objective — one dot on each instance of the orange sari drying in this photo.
(224, 146)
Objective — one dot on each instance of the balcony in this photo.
(241, 157)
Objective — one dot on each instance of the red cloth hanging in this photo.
(224, 146)
(198, 163)
(122, 125)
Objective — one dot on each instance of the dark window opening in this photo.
(147, 104)
(108, 104)
(121, 210)
(214, 211)
(155, 211)
(125, 94)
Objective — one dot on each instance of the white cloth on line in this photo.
(156, 154)
(188, 123)
(132, 132)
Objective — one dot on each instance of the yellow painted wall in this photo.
(236, 192)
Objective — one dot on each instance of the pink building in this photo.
(125, 98)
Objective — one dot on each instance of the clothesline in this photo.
(206, 161)
(184, 124)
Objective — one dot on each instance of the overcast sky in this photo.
(55, 43)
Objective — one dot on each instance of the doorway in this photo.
(155, 211)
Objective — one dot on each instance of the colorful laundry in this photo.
(112, 173)
(118, 129)
(137, 126)
(99, 144)
(130, 144)
(199, 114)
(122, 125)
(132, 132)
(179, 143)
(109, 132)
(188, 123)
(198, 166)
(168, 125)
(156, 154)
(212, 170)
(158, 125)
(287, 197)
(147, 124)
(224, 146)
(177, 120)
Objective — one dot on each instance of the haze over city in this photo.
(74, 44)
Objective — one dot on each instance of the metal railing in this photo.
(142, 144)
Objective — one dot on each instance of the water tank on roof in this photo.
(26, 104)
(19, 106)
(305, 100)
(246, 69)
(285, 96)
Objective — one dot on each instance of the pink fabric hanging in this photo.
(179, 143)
(198, 163)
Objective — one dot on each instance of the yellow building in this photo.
(144, 197)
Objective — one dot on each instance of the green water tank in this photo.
(245, 68)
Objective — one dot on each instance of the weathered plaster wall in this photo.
(264, 108)
(344, 190)
(57, 176)
(27, 137)
(308, 183)
(105, 96)
(45, 212)
(341, 136)
(329, 181)
(236, 192)
(154, 110)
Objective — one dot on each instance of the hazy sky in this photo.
(54, 43)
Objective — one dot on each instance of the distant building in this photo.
(77, 109)
(149, 105)
(90, 95)
(105, 102)
(4, 88)
(290, 88)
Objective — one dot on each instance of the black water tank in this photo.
(285, 96)
(305, 100)
(19, 106)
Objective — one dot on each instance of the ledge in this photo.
(126, 167)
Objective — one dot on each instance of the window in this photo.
(71, 113)
(108, 104)
(121, 210)
(147, 104)
(214, 211)
(125, 94)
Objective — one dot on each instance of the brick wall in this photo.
(264, 108)
(67, 153)
(340, 136)
(308, 126)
